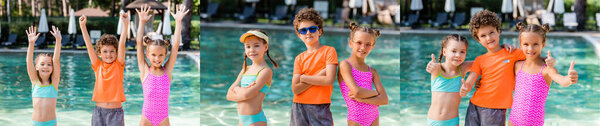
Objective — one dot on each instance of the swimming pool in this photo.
(221, 60)
(74, 105)
(575, 105)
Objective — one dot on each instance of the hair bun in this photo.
(520, 26)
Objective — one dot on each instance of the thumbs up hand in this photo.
(572, 74)
(464, 89)
(550, 61)
(432, 65)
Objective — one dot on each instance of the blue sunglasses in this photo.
(311, 29)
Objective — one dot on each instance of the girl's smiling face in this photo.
(156, 54)
(255, 48)
(455, 52)
(531, 43)
(44, 66)
(362, 44)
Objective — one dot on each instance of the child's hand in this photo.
(550, 61)
(180, 13)
(464, 89)
(144, 13)
(31, 36)
(572, 74)
(125, 18)
(56, 33)
(82, 20)
(432, 65)
(509, 48)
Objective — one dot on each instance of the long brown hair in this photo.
(244, 65)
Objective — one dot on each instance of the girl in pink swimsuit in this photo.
(533, 78)
(357, 79)
(156, 79)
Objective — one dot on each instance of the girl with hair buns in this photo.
(446, 81)
(156, 77)
(357, 79)
(533, 78)
(253, 82)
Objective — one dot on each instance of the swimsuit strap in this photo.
(542, 68)
(350, 64)
(521, 65)
(260, 70)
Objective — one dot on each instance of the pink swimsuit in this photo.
(156, 97)
(529, 99)
(362, 113)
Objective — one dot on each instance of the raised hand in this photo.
(56, 33)
(125, 18)
(82, 20)
(31, 34)
(432, 65)
(144, 13)
(572, 74)
(550, 61)
(180, 12)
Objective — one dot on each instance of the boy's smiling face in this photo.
(489, 37)
(309, 38)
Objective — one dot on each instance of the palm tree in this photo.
(187, 23)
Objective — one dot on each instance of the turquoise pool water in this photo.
(74, 105)
(575, 105)
(221, 60)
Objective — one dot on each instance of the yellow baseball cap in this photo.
(254, 33)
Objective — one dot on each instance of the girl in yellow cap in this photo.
(254, 81)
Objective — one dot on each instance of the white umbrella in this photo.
(449, 6)
(507, 6)
(43, 25)
(518, 8)
(253, 1)
(166, 26)
(72, 26)
(416, 5)
(120, 25)
(355, 3)
(559, 6)
(290, 2)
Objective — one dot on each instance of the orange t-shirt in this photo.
(310, 64)
(497, 78)
(109, 82)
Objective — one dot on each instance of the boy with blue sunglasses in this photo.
(314, 73)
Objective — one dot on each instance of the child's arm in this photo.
(564, 81)
(56, 58)
(297, 86)
(88, 41)
(121, 50)
(251, 91)
(31, 36)
(181, 12)
(355, 90)
(231, 94)
(141, 59)
(380, 99)
(320, 80)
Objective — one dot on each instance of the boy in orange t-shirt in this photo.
(314, 73)
(108, 89)
(496, 67)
